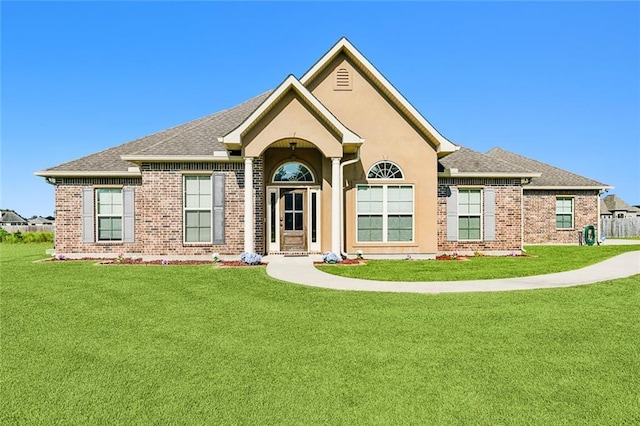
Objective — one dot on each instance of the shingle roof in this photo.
(550, 176)
(603, 207)
(469, 161)
(197, 137)
(40, 220)
(9, 216)
(615, 203)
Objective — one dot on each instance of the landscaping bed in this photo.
(133, 261)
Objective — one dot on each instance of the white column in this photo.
(248, 205)
(336, 195)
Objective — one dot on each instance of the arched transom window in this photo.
(293, 172)
(385, 170)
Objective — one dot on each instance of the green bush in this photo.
(27, 237)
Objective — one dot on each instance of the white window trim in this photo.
(385, 213)
(311, 246)
(99, 215)
(573, 213)
(385, 179)
(275, 246)
(185, 209)
(294, 182)
(480, 215)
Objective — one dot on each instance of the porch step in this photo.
(294, 253)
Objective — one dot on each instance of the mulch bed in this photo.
(449, 257)
(129, 261)
(343, 262)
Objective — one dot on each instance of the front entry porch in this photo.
(293, 220)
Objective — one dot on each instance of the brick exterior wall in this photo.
(540, 215)
(68, 225)
(508, 216)
(158, 211)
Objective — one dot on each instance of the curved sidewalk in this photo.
(300, 270)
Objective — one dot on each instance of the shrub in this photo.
(37, 237)
(27, 237)
(329, 257)
(251, 258)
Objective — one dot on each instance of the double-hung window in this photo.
(469, 214)
(197, 209)
(564, 213)
(385, 213)
(109, 214)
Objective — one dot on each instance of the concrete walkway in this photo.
(300, 270)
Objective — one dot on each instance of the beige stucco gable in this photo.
(344, 54)
(291, 120)
(291, 112)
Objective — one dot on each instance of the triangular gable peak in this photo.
(443, 145)
(234, 139)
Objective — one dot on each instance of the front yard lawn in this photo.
(542, 260)
(87, 344)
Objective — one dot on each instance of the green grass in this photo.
(544, 260)
(86, 344)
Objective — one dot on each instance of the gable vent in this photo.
(343, 79)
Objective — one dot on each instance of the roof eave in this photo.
(571, 187)
(456, 173)
(218, 156)
(87, 173)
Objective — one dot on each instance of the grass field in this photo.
(87, 344)
(543, 260)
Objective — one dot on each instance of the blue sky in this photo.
(555, 81)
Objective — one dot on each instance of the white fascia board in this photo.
(573, 188)
(58, 173)
(456, 173)
(235, 136)
(445, 146)
(157, 158)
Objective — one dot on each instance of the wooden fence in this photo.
(29, 228)
(621, 227)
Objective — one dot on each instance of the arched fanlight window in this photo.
(385, 170)
(293, 172)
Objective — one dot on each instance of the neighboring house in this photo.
(11, 218)
(613, 206)
(337, 160)
(40, 221)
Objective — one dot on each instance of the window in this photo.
(385, 213)
(293, 172)
(385, 170)
(564, 213)
(469, 214)
(197, 209)
(109, 214)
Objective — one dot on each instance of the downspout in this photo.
(599, 219)
(342, 197)
(522, 249)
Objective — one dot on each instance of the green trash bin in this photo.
(590, 235)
